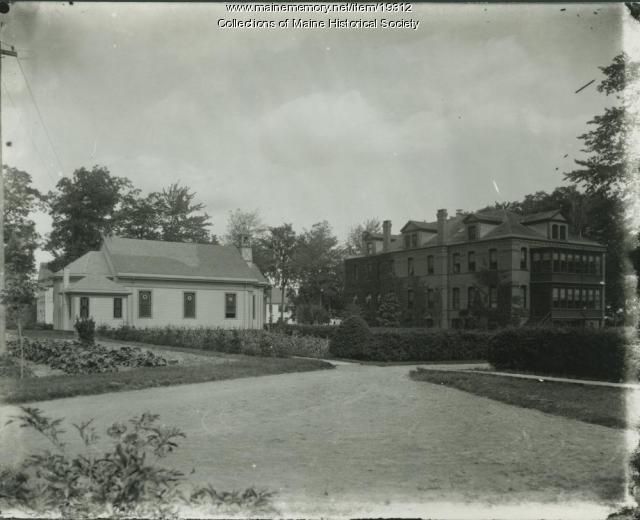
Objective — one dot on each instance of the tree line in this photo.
(307, 264)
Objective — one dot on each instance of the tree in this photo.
(389, 311)
(82, 209)
(274, 254)
(353, 245)
(138, 217)
(178, 218)
(20, 243)
(244, 223)
(319, 268)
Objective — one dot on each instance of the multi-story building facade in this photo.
(528, 266)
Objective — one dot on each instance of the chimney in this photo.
(442, 218)
(65, 278)
(245, 250)
(386, 235)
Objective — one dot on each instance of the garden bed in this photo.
(602, 405)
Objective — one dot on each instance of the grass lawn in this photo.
(15, 390)
(593, 404)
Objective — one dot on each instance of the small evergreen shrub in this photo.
(352, 339)
(582, 353)
(86, 329)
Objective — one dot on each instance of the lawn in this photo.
(592, 404)
(15, 390)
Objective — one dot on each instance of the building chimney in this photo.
(65, 278)
(245, 250)
(442, 218)
(386, 235)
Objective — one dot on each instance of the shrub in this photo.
(126, 481)
(318, 331)
(250, 342)
(597, 354)
(86, 328)
(351, 339)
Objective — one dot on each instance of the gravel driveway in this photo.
(364, 438)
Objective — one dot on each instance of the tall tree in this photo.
(82, 209)
(180, 218)
(244, 223)
(274, 255)
(608, 171)
(353, 245)
(319, 266)
(20, 243)
(138, 217)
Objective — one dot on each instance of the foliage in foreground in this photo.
(127, 481)
(74, 357)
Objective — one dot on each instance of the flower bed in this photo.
(74, 357)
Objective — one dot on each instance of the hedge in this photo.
(594, 354)
(232, 341)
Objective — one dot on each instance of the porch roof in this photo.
(96, 284)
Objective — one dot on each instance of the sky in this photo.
(307, 125)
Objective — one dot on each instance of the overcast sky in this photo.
(308, 125)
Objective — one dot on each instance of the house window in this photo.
(407, 241)
(556, 297)
(546, 262)
(563, 232)
(117, 307)
(471, 261)
(563, 262)
(571, 298)
(554, 231)
(523, 296)
(430, 264)
(410, 299)
(369, 248)
(430, 298)
(563, 297)
(592, 302)
(253, 306)
(189, 305)
(472, 232)
(570, 263)
(493, 297)
(230, 305)
(414, 240)
(144, 304)
(598, 298)
(471, 296)
(456, 262)
(523, 258)
(410, 266)
(592, 264)
(455, 298)
(84, 306)
(597, 265)
(556, 262)
(493, 258)
(535, 262)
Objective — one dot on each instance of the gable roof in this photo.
(92, 262)
(543, 215)
(94, 283)
(420, 225)
(146, 258)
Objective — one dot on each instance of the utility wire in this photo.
(26, 130)
(35, 104)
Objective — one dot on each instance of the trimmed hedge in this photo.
(316, 331)
(231, 341)
(352, 339)
(593, 354)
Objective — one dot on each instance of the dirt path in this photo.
(366, 439)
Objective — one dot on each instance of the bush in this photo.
(126, 481)
(86, 328)
(352, 339)
(597, 354)
(251, 342)
(317, 331)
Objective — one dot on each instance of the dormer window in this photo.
(563, 232)
(369, 248)
(472, 232)
(554, 231)
(414, 239)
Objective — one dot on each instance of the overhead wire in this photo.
(38, 111)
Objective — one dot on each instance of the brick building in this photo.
(529, 268)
